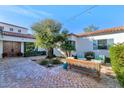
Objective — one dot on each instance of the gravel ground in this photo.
(24, 73)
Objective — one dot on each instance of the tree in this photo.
(48, 35)
(91, 28)
(68, 47)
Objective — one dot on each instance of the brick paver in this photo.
(22, 72)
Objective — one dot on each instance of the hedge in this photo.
(117, 61)
(34, 53)
(29, 50)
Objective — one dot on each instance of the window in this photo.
(110, 42)
(19, 30)
(11, 29)
(72, 42)
(1, 28)
(102, 44)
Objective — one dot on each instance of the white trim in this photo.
(22, 47)
(17, 39)
(1, 48)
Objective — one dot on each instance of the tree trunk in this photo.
(50, 53)
(69, 53)
(66, 53)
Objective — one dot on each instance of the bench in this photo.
(87, 67)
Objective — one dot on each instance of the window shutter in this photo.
(95, 44)
(110, 42)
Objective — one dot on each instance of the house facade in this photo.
(12, 39)
(98, 41)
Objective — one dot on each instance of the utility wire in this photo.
(75, 16)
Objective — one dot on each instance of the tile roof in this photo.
(18, 35)
(99, 32)
(72, 34)
(14, 25)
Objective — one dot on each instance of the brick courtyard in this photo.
(24, 73)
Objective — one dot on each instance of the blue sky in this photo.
(101, 16)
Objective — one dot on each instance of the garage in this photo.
(11, 49)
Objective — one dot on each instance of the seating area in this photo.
(91, 57)
(87, 67)
(99, 59)
(87, 63)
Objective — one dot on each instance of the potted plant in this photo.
(4, 55)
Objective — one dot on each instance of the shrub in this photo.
(107, 60)
(29, 46)
(55, 61)
(44, 62)
(19, 54)
(117, 61)
(30, 50)
(68, 46)
(89, 55)
(34, 53)
(4, 55)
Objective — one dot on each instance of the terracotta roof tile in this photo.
(18, 34)
(98, 32)
(71, 34)
(104, 31)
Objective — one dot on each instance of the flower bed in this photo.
(50, 62)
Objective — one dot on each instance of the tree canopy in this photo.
(91, 28)
(49, 34)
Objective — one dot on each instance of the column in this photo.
(1, 48)
(22, 47)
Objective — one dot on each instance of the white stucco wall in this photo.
(84, 44)
(13, 38)
(1, 48)
(17, 39)
(58, 52)
(41, 49)
(117, 37)
(15, 29)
